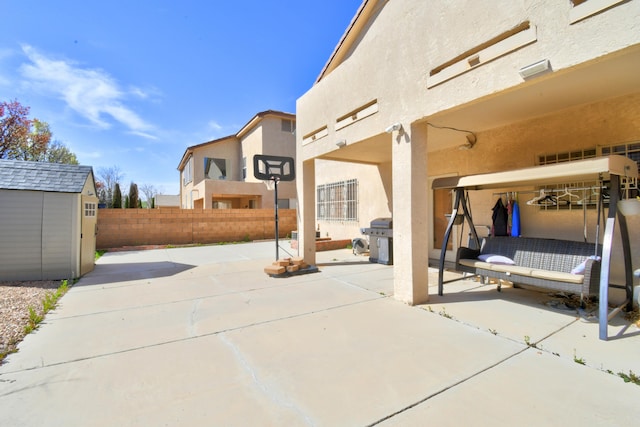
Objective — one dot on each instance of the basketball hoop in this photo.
(273, 169)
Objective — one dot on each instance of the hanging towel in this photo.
(500, 219)
(515, 221)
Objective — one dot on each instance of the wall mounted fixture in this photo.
(394, 127)
(471, 141)
(534, 69)
(471, 136)
(341, 143)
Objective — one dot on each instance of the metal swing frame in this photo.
(612, 167)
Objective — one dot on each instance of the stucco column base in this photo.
(410, 207)
(306, 186)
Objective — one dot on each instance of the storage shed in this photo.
(48, 220)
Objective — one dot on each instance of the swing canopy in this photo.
(583, 170)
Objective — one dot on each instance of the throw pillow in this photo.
(579, 269)
(496, 259)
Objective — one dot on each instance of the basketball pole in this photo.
(275, 204)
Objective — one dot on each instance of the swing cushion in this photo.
(546, 263)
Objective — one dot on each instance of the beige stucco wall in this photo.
(399, 85)
(589, 97)
(374, 185)
(409, 38)
(267, 138)
(519, 145)
(225, 149)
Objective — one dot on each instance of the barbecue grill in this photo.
(380, 234)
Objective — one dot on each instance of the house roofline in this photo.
(347, 38)
(190, 149)
(258, 118)
(243, 131)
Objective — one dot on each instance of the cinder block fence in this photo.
(176, 226)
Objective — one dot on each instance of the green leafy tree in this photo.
(117, 197)
(133, 195)
(57, 152)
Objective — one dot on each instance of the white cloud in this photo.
(91, 93)
(213, 125)
(89, 154)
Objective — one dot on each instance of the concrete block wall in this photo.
(176, 226)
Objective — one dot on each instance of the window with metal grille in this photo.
(572, 156)
(631, 150)
(584, 191)
(337, 201)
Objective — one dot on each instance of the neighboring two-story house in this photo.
(219, 174)
(418, 90)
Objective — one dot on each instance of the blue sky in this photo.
(134, 83)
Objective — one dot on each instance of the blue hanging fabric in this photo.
(515, 220)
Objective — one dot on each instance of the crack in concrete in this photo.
(192, 328)
(274, 395)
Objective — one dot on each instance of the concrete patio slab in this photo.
(201, 336)
(350, 366)
(198, 382)
(513, 313)
(532, 388)
(73, 336)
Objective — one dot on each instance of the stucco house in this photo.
(218, 174)
(48, 220)
(415, 91)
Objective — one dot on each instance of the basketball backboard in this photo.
(273, 168)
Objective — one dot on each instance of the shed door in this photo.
(20, 235)
(57, 236)
(89, 230)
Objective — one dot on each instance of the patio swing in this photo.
(610, 168)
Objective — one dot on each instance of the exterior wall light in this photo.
(394, 127)
(535, 69)
(341, 143)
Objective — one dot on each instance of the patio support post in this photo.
(411, 202)
(306, 188)
(607, 245)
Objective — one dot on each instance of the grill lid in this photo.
(382, 223)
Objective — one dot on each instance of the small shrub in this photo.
(630, 378)
(443, 313)
(527, 341)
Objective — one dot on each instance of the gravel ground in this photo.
(15, 300)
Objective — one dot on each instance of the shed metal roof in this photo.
(43, 176)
